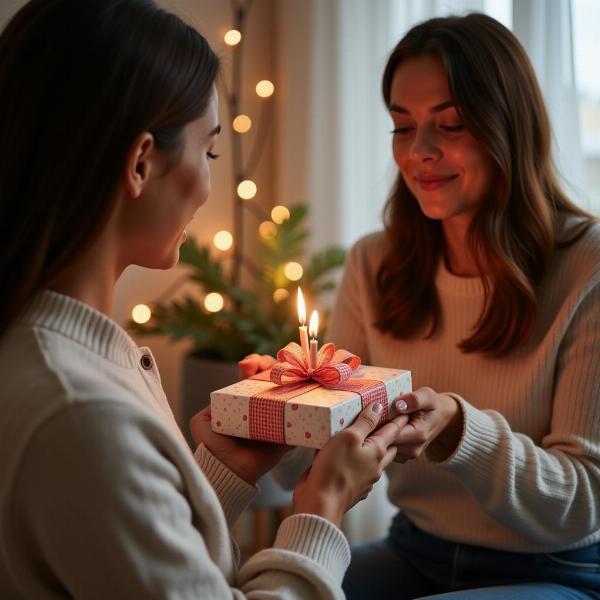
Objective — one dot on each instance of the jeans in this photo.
(410, 563)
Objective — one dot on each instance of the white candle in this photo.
(313, 329)
(302, 329)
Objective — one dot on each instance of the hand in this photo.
(432, 419)
(346, 468)
(249, 459)
(254, 363)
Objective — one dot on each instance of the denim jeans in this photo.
(410, 563)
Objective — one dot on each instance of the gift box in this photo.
(295, 405)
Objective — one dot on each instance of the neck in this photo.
(92, 278)
(458, 258)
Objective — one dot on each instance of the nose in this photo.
(425, 145)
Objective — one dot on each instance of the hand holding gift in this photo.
(349, 464)
(343, 471)
(248, 459)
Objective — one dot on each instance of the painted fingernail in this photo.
(401, 405)
(377, 408)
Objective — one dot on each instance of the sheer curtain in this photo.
(334, 141)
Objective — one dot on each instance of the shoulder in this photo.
(368, 252)
(576, 261)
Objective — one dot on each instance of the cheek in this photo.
(194, 183)
(400, 151)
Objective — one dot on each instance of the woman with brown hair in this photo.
(485, 284)
(108, 121)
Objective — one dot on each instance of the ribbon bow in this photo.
(333, 366)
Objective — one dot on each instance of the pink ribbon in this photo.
(294, 377)
(333, 366)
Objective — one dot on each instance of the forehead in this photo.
(420, 79)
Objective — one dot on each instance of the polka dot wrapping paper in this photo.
(307, 413)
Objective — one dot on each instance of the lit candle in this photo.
(313, 329)
(302, 329)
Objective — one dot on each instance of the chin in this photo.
(161, 263)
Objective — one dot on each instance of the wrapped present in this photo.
(297, 405)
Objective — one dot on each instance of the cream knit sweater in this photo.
(526, 474)
(100, 496)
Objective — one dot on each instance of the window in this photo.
(586, 16)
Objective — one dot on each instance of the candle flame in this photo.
(313, 327)
(301, 308)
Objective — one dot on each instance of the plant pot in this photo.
(201, 376)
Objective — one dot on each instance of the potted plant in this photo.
(225, 320)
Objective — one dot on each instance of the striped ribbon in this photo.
(294, 377)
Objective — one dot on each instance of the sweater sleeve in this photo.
(102, 509)
(549, 493)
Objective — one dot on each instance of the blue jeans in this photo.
(410, 564)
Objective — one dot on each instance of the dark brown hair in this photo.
(79, 81)
(494, 87)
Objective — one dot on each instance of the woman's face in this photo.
(173, 195)
(444, 166)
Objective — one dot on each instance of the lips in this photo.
(433, 182)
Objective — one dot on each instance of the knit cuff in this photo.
(479, 440)
(318, 539)
(233, 492)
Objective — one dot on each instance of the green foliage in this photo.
(251, 321)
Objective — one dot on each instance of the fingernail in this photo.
(377, 408)
(401, 405)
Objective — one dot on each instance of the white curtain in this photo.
(545, 28)
(334, 141)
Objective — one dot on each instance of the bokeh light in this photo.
(242, 123)
(293, 271)
(213, 302)
(141, 313)
(233, 37)
(279, 214)
(223, 240)
(280, 294)
(265, 88)
(268, 230)
(246, 189)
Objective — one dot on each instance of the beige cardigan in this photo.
(100, 496)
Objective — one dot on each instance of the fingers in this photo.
(421, 399)
(367, 420)
(266, 362)
(249, 365)
(390, 432)
(254, 363)
(390, 456)
(203, 415)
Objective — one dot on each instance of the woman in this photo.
(486, 285)
(108, 120)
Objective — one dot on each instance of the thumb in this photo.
(368, 419)
(249, 365)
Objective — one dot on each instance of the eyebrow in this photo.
(215, 131)
(433, 109)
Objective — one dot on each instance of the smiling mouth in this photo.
(430, 183)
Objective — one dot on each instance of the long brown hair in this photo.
(494, 87)
(79, 80)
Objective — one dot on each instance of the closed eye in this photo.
(401, 130)
(453, 127)
(212, 155)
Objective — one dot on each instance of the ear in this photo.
(138, 164)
